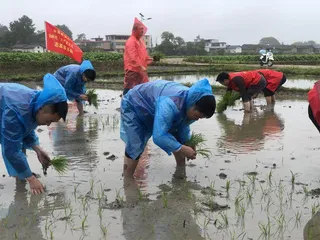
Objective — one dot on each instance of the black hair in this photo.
(61, 108)
(206, 105)
(90, 74)
(222, 76)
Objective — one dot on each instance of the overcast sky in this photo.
(231, 21)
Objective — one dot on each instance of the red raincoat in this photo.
(250, 78)
(273, 78)
(314, 101)
(135, 56)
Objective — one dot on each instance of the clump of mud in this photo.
(315, 192)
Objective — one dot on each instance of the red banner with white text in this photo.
(57, 41)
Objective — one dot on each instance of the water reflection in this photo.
(24, 214)
(251, 134)
(154, 221)
(77, 139)
(312, 229)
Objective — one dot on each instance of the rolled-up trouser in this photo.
(132, 79)
(268, 93)
(257, 88)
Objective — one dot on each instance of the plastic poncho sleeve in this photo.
(132, 52)
(184, 133)
(71, 79)
(165, 114)
(30, 140)
(12, 140)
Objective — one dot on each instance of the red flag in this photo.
(57, 41)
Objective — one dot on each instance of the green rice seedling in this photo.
(265, 229)
(75, 191)
(104, 230)
(164, 199)
(305, 190)
(315, 208)
(281, 220)
(92, 97)
(83, 223)
(197, 142)
(270, 177)
(119, 198)
(293, 177)
(91, 185)
(228, 99)
(60, 164)
(51, 235)
(100, 211)
(228, 184)
(298, 216)
(237, 201)
(225, 219)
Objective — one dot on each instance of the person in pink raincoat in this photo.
(136, 58)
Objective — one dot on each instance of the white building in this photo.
(35, 48)
(212, 45)
(234, 49)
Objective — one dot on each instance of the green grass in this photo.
(92, 97)
(197, 142)
(60, 164)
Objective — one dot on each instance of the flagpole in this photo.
(45, 35)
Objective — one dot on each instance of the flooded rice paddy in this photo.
(256, 185)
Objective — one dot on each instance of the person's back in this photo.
(144, 98)
(69, 70)
(18, 100)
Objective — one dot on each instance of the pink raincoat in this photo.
(135, 56)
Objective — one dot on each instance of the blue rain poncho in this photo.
(70, 77)
(19, 105)
(159, 109)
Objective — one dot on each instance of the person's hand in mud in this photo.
(36, 186)
(84, 97)
(188, 152)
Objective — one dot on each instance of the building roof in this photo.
(233, 46)
(26, 46)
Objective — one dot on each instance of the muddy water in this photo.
(93, 202)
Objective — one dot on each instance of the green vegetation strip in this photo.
(305, 59)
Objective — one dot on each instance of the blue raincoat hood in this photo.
(197, 91)
(85, 65)
(52, 92)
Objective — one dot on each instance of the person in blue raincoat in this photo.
(73, 78)
(164, 110)
(22, 110)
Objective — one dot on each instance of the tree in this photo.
(22, 30)
(167, 36)
(65, 29)
(81, 37)
(179, 41)
(3, 30)
(304, 43)
(40, 37)
(269, 41)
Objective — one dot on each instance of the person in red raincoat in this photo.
(314, 105)
(136, 58)
(247, 83)
(274, 80)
